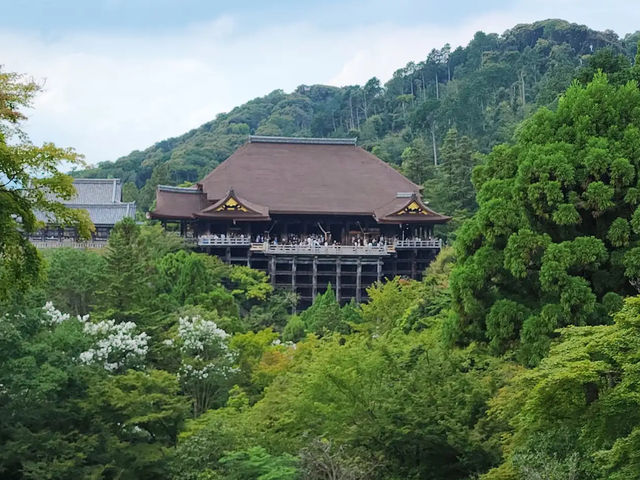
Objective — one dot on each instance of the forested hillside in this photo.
(514, 358)
(483, 90)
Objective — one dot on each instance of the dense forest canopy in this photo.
(514, 358)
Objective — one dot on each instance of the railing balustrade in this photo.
(428, 243)
(380, 250)
(210, 241)
(68, 244)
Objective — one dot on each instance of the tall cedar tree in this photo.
(556, 239)
(125, 280)
(449, 188)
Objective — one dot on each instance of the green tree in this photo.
(449, 190)
(416, 161)
(616, 65)
(576, 414)
(324, 315)
(30, 182)
(129, 192)
(385, 403)
(457, 164)
(44, 434)
(73, 278)
(554, 241)
(256, 463)
(142, 413)
(125, 287)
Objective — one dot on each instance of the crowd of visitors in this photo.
(312, 240)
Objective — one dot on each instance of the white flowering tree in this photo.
(207, 363)
(115, 346)
(53, 316)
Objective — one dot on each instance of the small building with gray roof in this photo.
(101, 198)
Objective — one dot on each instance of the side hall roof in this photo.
(100, 197)
(96, 191)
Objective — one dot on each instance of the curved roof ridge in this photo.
(302, 140)
(171, 188)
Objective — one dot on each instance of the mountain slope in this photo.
(483, 90)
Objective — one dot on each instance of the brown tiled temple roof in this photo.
(394, 211)
(279, 175)
(253, 212)
(178, 202)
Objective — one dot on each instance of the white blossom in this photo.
(116, 347)
(198, 334)
(55, 316)
(207, 362)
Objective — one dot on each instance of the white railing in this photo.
(429, 243)
(325, 250)
(210, 241)
(68, 244)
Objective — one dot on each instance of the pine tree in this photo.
(325, 315)
(125, 286)
(416, 161)
(449, 190)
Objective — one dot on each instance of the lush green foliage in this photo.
(576, 414)
(554, 241)
(506, 361)
(29, 181)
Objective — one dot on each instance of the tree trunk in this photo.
(364, 102)
(433, 141)
(351, 110)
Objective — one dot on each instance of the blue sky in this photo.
(57, 16)
(119, 75)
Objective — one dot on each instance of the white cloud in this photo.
(108, 94)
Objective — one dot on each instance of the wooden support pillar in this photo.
(338, 275)
(294, 269)
(228, 255)
(379, 266)
(249, 257)
(272, 270)
(413, 263)
(314, 279)
(358, 280)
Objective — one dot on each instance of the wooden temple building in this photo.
(309, 212)
(102, 199)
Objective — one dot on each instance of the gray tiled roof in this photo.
(96, 191)
(101, 197)
(107, 214)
